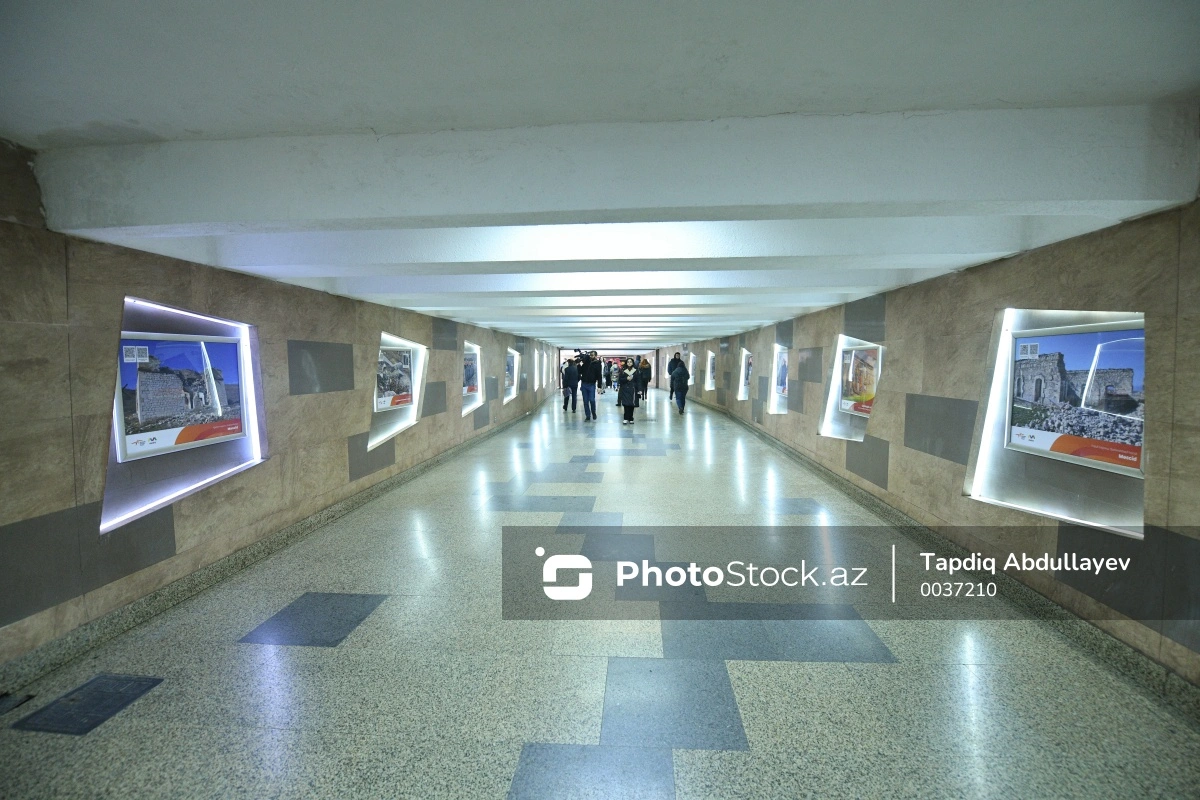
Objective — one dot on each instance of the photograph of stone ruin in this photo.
(1047, 396)
(165, 397)
(393, 376)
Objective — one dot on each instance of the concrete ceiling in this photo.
(618, 174)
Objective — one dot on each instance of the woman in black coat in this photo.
(644, 378)
(628, 386)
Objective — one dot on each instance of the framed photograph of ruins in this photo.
(176, 392)
(860, 367)
(394, 378)
(1077, 394)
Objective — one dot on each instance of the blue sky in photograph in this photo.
(1123, 350)
(182, 355)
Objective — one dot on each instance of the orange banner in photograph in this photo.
(209, 430)
(1126, 455)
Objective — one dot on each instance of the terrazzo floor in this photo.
(371, 660)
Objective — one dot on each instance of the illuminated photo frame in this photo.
(1076, 393)
(395, 378)
(710, 373)
(473, 389)
(744, 372)
(779, 381)
(177, 392)
(512, 374)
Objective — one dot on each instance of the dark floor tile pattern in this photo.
(536, 503)
(799, 506)
(316, 619)
(82, 710)
(807, 640)
(664, 593)
(663, 702)
(576, 770)
(599, 546)
(592, 519)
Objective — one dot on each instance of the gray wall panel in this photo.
(482, 416)
(40, 567)
(720, 397)
(764, 387)
(810, 364)
(868, 459)
(756, 411)
(783, 333)
(492, 387)
(795, 398)
(1181, 590)
(435, 399)
(131, 547)
(363, 461)
(445, 334)
(1137, 592)
(940, 426)
(316, 367)
(865, 319)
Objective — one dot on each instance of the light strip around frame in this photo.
(249, 397)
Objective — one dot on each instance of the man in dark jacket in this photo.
(679, 384)
(591, 373)
(570, 379)
(671, 365)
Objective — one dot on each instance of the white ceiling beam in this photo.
(626, 171)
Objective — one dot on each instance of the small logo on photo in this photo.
(565, 562)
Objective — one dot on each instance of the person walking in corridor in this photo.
(644, 379)
(675, 361)
(679, 378)
(590, 374)
(628, 386)
(570, 384)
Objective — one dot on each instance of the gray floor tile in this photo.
(773, 640)
(539, 503)
(592, 519)
(600, 546)
(681, 704)
(593, 771)
(82, 710)
(316, 619)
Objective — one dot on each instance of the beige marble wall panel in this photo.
(956, 365)
(273, 369)
(37, 468)
(314, 470)
(92, 434)
(903, 365)
(35, 630)
(307, 419)
(33, 369)
(33, 275)
(93, 364)
(1184, 486)
(100, 276)
(1180, 659)
(887, 417)
(219, 512)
